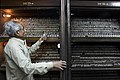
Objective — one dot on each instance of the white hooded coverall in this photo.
(18, 62)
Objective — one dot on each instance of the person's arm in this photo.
(36, 46)
(17, 55)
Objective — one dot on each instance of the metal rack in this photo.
(91, 52)
(87, 30)
(41, 16)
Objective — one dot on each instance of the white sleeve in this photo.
(25, 64)
(34, 47)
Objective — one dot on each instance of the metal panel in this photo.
(63, 49)
(96, 3)
(69, 40)
(30, 3)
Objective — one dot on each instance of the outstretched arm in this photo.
(36, 46)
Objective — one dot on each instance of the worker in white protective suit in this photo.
(17, 54)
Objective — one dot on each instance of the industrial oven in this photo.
(88, 32)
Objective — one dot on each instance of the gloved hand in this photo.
(43, 37)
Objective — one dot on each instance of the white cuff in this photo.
(49, 65)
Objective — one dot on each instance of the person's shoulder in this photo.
(13, 42)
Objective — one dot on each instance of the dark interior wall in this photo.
(1, 52)
(2, 58)
(2, 21)
(2, 75)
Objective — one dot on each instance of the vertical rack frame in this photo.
(69, 54)
(63, 40)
